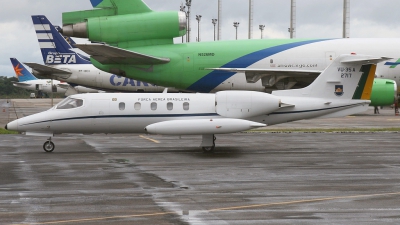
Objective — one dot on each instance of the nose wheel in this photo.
(48, 146)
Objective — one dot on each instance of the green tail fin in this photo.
(122, 6)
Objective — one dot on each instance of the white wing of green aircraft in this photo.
(137, 42)
(344, 88)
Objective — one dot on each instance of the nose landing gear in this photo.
(48, 146)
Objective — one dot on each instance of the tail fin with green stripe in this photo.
(349, 77)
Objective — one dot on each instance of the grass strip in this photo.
(4, 131)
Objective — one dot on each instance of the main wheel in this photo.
(209, 149)
(48, 146)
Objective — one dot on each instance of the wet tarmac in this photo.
(252, 178)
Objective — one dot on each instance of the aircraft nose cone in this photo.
(12, 126)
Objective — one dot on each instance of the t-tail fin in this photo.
(55, 48)
(348, 77)
(122, 6)
(21, 72)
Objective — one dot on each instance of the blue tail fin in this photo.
(21, 72)
(55, 48)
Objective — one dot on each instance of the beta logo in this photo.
(60, 59)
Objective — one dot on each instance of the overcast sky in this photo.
(315, 19)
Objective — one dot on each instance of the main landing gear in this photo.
(208, 143)
(48, 146)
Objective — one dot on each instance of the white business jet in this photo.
(343, 89)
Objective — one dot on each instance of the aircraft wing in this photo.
(49, 72)
(253, 74)
(46, 70)
(107, 54)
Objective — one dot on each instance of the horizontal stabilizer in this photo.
(46, 70)
(21, 84)
(106, 54)
(122, 6)
(364, 59)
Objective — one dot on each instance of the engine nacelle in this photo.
(202, 126)
(245, 104)
(129, 27)
(384, 92)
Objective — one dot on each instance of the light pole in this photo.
(262, 29)
(198, 18)
(183, 9)
(219, 19)
(292, 28)
(236, 25)
(188, 4)
(214, 21)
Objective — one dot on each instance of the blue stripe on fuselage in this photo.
(95, 2)
(215, 78)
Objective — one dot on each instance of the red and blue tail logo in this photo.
(55, 48)
(21, 72)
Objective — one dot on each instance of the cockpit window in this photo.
(70, 103)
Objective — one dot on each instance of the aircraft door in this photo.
(39, 87)
(100, 114)
(329, 57)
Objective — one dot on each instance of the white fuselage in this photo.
(342, 89)
(132, 113)
(89, 76)
(43, 85)
(317, 56)
(60, 87)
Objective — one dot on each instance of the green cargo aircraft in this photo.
(131, 40)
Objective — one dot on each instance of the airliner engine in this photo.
(245, 104)
(146, 27)
(384, 92)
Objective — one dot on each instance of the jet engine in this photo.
(245, 104)
(145, 27)
(384, 92)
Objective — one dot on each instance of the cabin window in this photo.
(153, 106)
(138, 106)
(186, 106)
(170, 106)
(70, 103)
(122, 106)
